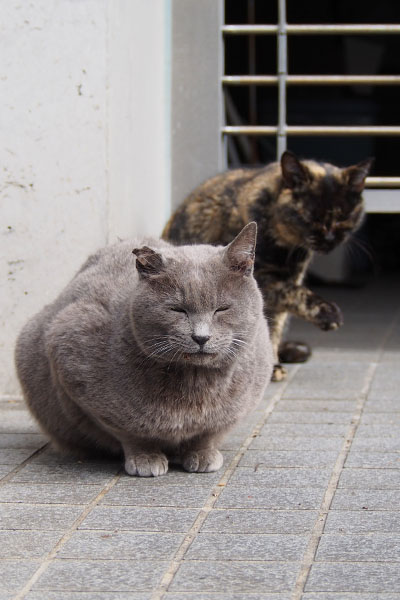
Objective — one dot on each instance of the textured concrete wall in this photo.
(196, 94)
(82, 162)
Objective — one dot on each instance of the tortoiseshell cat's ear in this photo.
(356, 174)
(294, 173)
(239, 255)
(148, 262)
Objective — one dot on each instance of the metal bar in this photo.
(312, 79)
(327, 130)
(383, 182)
(312, 29)
(282, 75)
(344, 130)
(252, 91)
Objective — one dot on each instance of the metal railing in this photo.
(283, 79)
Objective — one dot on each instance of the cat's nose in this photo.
(329, 236)
(200, 339)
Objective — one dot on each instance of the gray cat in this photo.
(157, 361)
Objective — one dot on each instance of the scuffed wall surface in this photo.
(52, 156)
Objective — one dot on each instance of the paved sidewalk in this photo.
(307, 505)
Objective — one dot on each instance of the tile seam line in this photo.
(309, 555)
(310, 552)
(50, 557)
(23, 464)
(165, 582)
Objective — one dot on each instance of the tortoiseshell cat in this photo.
(300, 206)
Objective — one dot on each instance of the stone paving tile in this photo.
(349, 596)
(357, 548)
(345, 380)
(168, 495)
(370, 478)
(298, 417)
(272, 498)
(232, 443)
(74, 473)
(346, 352)
(88, 596)
(35, 516)
(376, 444)
(5, 470)
(140, 519)
(230, 596)
(345, 499)
(262, 547)
(260, 521)
(195, 576)
(386, 383)
(101, 575)
(381, 418)
(354, 577)
(52, 458)
(14, 456)
(48, 493)
(114, 545)
(27, 544)
(373, 460)
(17, 421)
(289, 477)
(366, 521)
(175, 476)
(378, 430)
(13, 572)
(305, 430)
(287, 458)
(309, 443)
(22, 440)
(381, 405)
(315, 406)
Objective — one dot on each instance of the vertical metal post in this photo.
(251, 18)
(282, 75)
(223, 146)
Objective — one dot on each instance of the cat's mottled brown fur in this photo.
(300, 207)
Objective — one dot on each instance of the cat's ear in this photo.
(239, 255)
(355, 175)
(294, 173)
(148, 262)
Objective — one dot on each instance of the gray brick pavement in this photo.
(306, 506)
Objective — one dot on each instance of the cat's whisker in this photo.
(176, 354)
(361, 245)
(239, 341)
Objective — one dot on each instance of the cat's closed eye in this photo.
(222, 309)
(178, 309)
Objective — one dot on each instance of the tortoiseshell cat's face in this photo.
(320, 205)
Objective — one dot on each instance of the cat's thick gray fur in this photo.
(112, 364)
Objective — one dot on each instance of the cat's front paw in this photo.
(329, 316)
(279, 373)
(146, 465)
(202, 461)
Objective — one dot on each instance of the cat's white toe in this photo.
(203, 461)
(146, 465)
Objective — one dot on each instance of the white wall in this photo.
(196, 94)
(84, 157)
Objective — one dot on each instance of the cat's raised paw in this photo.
(202, 461)
(329, 316)
(146, 465)
(279, 373)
